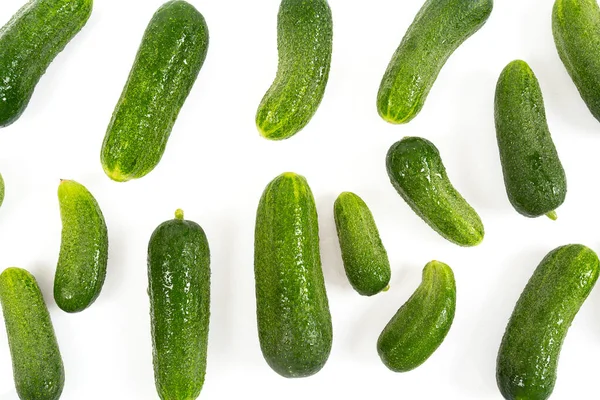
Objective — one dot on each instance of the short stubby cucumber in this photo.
(439, 28)
(533, 174)
(294, 322)
(167, 64)
(365, 259)
(422, 323)
(81, 267)
(304, 41)
(1, 190)
(416, 171)
(37, 364)
(179, 289)
(29, 42)
(528, 356)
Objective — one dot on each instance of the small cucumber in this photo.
(304, 41)
(83, 255)
(528, 356)
(179, 289)
(29, 42)
(533, 175)
(365, 259)
(167, 64)
(422, 323)
(37, 365)
(294, 323)
(1, 190)
(439, 28)
(418, 174)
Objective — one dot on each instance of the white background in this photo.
(216, 166)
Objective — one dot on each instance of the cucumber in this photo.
(528, 356)
(418, 174)
(37, 365)
(365, 259)
(1, 190)
(167, 64)
(294, 322)
(29, 42)
(439, 28)
(422, 323)
(179, 290)
(533, 174)
(81, 267)
(304, 41)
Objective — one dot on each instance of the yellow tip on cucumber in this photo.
(552, 215)
(385, 289)
(179, 214)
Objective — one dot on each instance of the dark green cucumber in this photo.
(1, 190)
(83, 255)
(439, 28)
(533, 175)
(422, 323)
(418, 174)
(29, 42)
(528, 356)
(167, 64)
(179, 289)
(304, 41)
(294, 323)
(365, 259)
(37, 365)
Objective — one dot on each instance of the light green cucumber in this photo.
(1, 190)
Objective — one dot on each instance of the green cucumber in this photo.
(37, 365)
(528, 356)
(418, 174)
(81, 267)
(294, 322)
(533, 175)
(439, 28)
(365, 259)
(1, 190)
(179, 290)
(167, 64)
(29, 42)
(422, 323)
(304, 41)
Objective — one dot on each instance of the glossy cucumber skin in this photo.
(81, 267)
(528, 356)
(422, 323)
(304, 41)
(418, 174)
(37, 364)
(439, 28)
(365, 259)
(533, 174)
(179, 289)
(1, 190)
(167, 64)
(294, 322)
(29, 42)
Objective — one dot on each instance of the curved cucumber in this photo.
(294, 323)
(422, 323)
(304, 40)
(528, 356)
(168, 61)
(1, 190)
(37, 365)
(439, 28)
(418, 174)
(29, 42)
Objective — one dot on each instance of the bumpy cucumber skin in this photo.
(37, 364)
(29, 42)
(365, 259)
(422, 323)
(179, 289)
(167, 64)
(304, 41)
(294, 322)
(418, 174)
(528, 356)
(439, 28)
(1, 190)
(533, 174)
